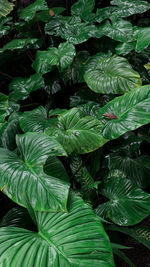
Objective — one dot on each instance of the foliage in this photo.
(74, 132)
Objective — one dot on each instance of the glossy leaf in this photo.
(25, 172)
(76, 238)
(143, 39)
(8, 132)
(77, 133)
(127, 8)
(82, 8)
(16, 44)
(125, 199)
(104, 13)
(125, 48)
(119, 30)
(38, 120)
(3, 107)
(131, 111)
(63, 57)
(20, 88)
(4, 29)
(112, 75)
(29, 12)
(136, 169)
(5, 7)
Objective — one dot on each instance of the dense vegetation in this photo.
(74, 132)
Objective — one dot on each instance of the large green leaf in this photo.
(8, 131)
(112, 75)
(18, 44)
(76, 238)
(143, 39)
(127, 8)
(125, 48)
(136, 169)
(63, 57)
(29, 12)
(3, 107)
(38, 120)
(5, 7)
(77, 133)
(126, 113)
(127, 204)
(22, 177)
(20, 88)
(120, 30)
(83, 8)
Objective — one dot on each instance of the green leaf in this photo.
(54, 167)
(45, 16)
(82, 176)
(77, 133)
(123, 257)
(22, 176)
(3, 107)
(8, 133)
(63, 56)
(76, 238)
(104, 13)
(119, 30)
(112, 75)
(140, 233)
(20, 88)
(76, 70)
(130, 110)
(29, 12)
(82, 8)
(143, 39)
(16, 44)
(126, 199)
(4, 29)
(36, 120)
(125, 48)
(127, 8)
(5, 7)
(136, 169)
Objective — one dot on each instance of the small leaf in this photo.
(16, 44)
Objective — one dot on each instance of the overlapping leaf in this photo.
(83, 8)
(130, 110)
(77, 133)
(63, 57)
(20, 88)
(125, 200)
(3, 107)
(112, 75)
(22, 177)
(143, 39)
(76, 238)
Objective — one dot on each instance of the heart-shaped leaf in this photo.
(22, 177)
(112, 75)
(126, 199)
(143, 39)
(127, 112)
(77, 133)
(76, 238)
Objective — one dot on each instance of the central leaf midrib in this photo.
(41, 234)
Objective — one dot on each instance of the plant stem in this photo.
(42, 35)
(6, 75)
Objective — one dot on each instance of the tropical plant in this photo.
(74, 132)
